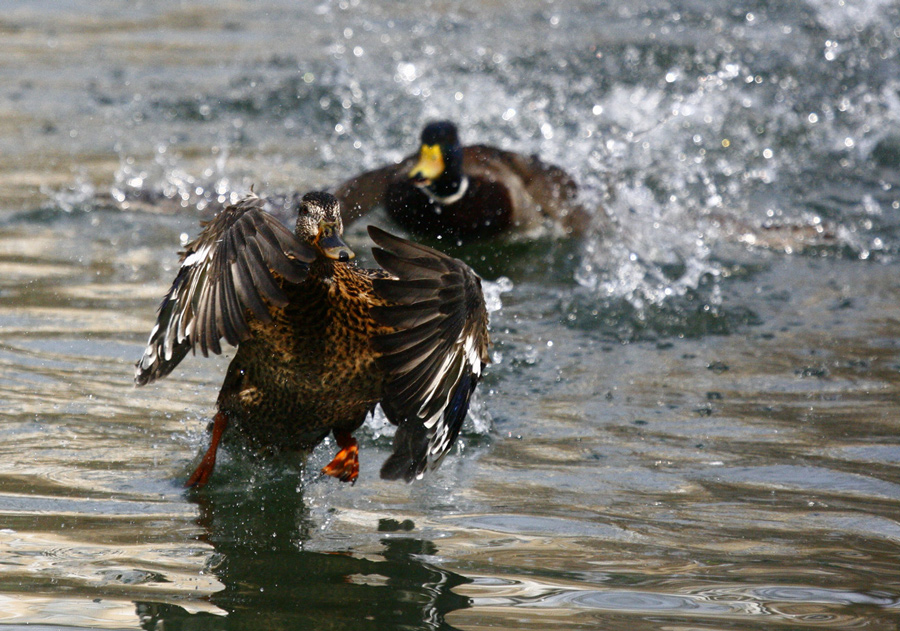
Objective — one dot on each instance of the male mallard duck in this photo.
(466, 193)
(320, 341)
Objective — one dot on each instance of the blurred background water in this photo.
(691, 421)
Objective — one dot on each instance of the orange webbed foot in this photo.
(345, 466)
(204, 470)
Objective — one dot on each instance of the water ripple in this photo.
(799, 604)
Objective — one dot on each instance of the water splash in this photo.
(689, 136)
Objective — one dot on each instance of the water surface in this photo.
(691, 420)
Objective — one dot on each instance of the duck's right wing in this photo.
(362, 193)
(231, 268)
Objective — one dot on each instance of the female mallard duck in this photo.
(320, 341)
(466, 193)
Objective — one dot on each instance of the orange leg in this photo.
(345, 466)
(201, 474)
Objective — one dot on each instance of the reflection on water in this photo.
(741, 480)
(271, 581)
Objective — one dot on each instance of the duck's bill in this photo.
(332, 245)
(429, 167)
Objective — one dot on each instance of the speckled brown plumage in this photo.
(320, 341)
(311, 369)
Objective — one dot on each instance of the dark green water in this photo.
(691, 422)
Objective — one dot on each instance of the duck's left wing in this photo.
(549, 186)
(230, 270)
(436, 355)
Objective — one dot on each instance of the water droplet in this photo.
(406, 72)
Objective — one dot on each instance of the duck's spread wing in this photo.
(230, 269)
(436, 355)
